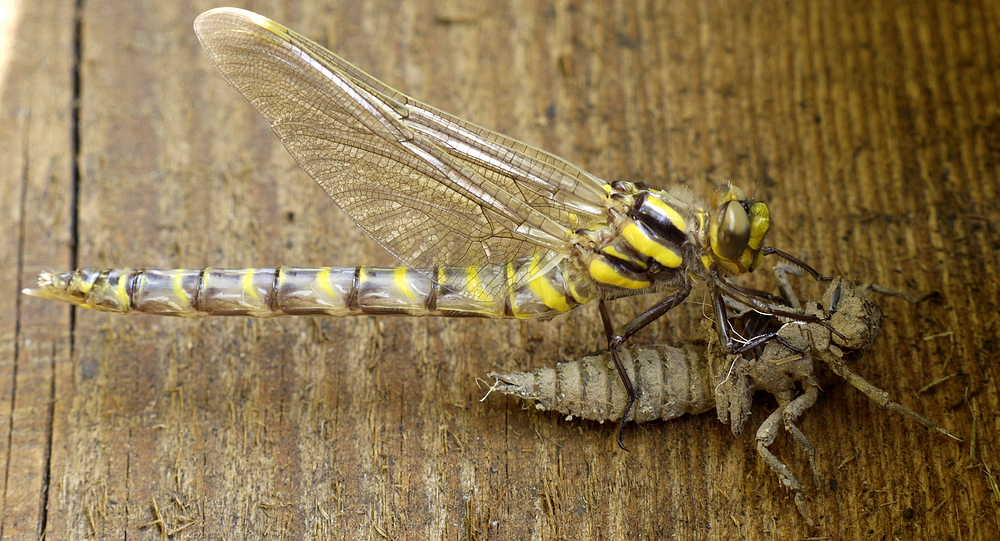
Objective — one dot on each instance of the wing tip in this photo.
(217, 16)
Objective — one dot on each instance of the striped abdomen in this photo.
(324, 291)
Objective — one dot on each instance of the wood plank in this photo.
(870, 129)
(36, 99)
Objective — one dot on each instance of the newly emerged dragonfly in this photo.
(488, 226)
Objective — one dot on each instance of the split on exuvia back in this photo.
(487, 225)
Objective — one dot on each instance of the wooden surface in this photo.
(872, 129)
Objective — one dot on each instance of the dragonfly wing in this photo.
(429, 187)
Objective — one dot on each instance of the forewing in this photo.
(429, 187)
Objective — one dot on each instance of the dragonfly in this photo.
(486, 225)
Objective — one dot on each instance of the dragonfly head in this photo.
(734, 231)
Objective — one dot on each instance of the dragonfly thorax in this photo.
(655, 238)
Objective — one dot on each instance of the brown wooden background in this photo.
(872, 129)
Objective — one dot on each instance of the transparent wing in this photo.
(431, 188)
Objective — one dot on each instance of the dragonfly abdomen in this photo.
(332, 291)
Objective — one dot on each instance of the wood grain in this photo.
(871, 128)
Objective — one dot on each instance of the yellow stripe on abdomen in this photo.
(248, 285)
(400, 278)
(552, 298)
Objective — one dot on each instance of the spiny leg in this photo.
(768, 250)
(780, 273)
(617, 338)
(766, 295)
(766, 433)
(881, 398)
(723, 327)
(794, 410)
(763, 307)
(620, 368)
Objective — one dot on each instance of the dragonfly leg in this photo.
(767, 296)
(617, 338)
(767, 250)
(721, 286)
(760, 340)
(725, 329)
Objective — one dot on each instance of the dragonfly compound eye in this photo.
(733, 232)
